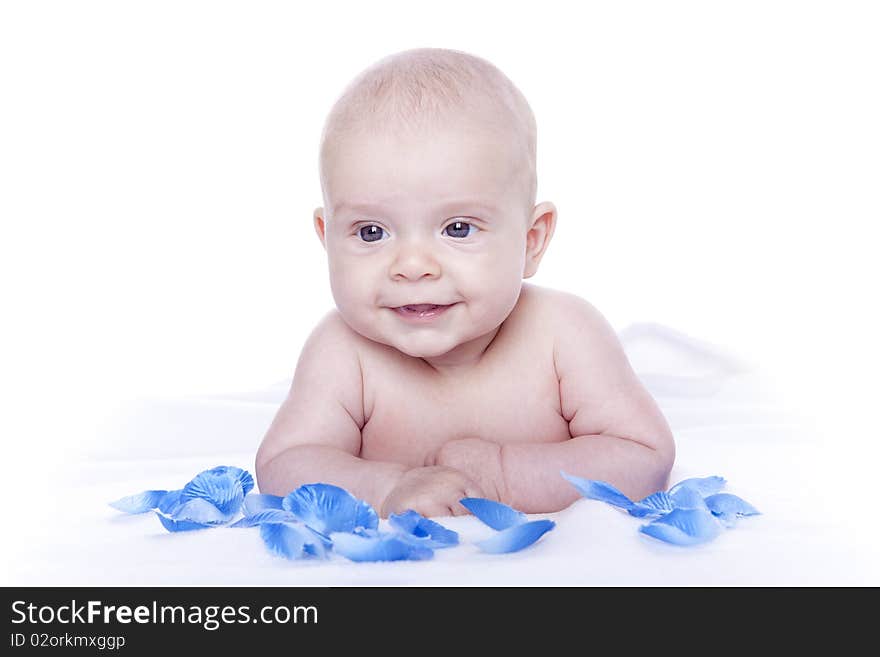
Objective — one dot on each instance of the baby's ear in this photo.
(539, 235)
(318, 216)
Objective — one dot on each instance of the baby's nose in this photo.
(414, 262)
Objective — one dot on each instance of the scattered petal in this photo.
(198, 510)
(221, 486)
(516, 537)
(169, 499)
(264, 516)
(367, 533)
(178, 514)
(245, 478)
(655, 504)
(242, 476)
(180, 525)
(256, 502)
(139, 503)
(415, 528)
(378, 547)
(688, 498)
(703, 485)
(293, 540)
(599, 490)
(495, 514)
(684, 527)
(728, 508)
(327, 508)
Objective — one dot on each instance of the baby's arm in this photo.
(316, 437)
(316, 434)
(618, 433)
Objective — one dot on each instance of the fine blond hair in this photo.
(415, 90)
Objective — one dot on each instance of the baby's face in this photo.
(434, 219)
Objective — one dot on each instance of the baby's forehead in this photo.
(470, 131)
(463, 146)
(445, 169)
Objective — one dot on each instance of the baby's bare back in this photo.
(511, 396)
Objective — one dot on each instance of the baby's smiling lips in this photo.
(421, 307)
(421, 311)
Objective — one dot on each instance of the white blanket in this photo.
(811, 532)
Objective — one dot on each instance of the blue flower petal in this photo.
(327, 508)
(381, 547)
(516, 537)
(728, 508)
(245, 478)
(221, 486)
(728, 503)
(599, 490)
(169, 500)
(139, 503)
(684, 527)
(367, 533)
(198, 510)
(703, 485)
(365, 516)
(419, 530)
(266, 515)
(237, 474)
(180, 525)
(655, 504)
(408, 523)
(177, 513)
(256, 502)
(292, 540)
(688, 498)
(169, 504)
(495, 514)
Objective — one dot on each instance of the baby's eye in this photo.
(460, 229)
(371, 233)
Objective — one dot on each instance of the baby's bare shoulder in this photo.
(329, 367)
(559, 312)
(337, 341)
(325, 403)
(332, 327)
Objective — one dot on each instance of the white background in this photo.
(715, 166)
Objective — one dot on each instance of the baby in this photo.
(440, 374)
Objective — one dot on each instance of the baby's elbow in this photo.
(262, 457)
(662, 460)
(260, 463)
(650, 475)
(263, 467)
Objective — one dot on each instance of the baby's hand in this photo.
(478, 459)
(431, 491)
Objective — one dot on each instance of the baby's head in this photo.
(427, 168)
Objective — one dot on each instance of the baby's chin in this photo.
(423, 343)
(427, 347)
(427, 354)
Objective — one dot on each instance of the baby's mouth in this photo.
(422, 310)
(422, 307)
